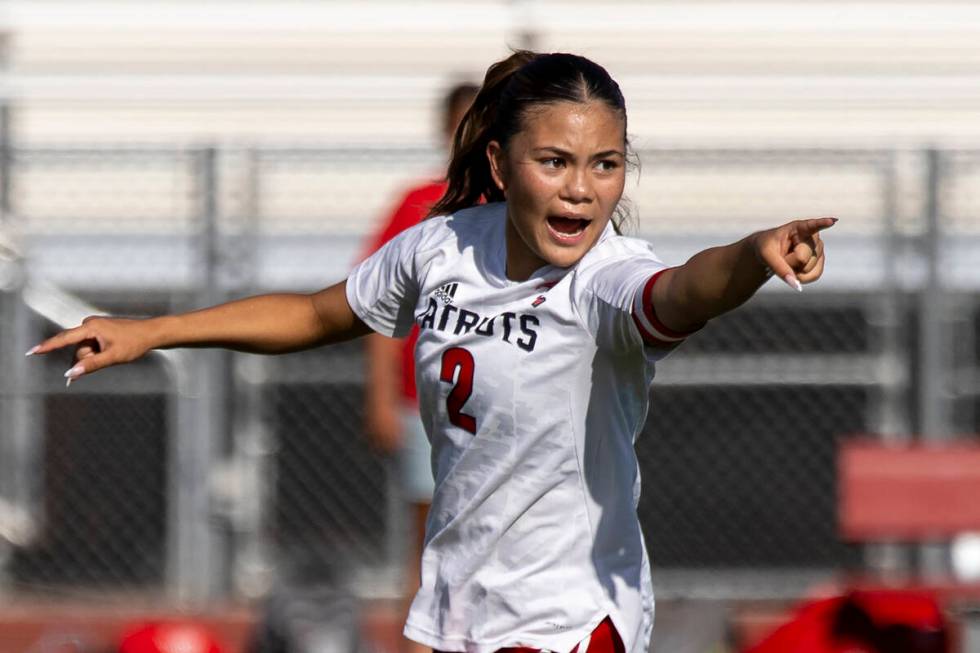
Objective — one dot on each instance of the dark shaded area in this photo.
(975, 328)
(768, 328)
(104, 467)
(744, 477)
(330, 503)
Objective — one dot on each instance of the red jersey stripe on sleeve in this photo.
(649, 338)
(653, 331)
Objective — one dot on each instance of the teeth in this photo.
(567, 236)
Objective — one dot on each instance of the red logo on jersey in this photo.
(537, 302)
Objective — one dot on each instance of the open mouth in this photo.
(567, 228)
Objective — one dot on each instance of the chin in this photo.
(565, 257)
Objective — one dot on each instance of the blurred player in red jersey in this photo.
(391, 411)
(878, 621)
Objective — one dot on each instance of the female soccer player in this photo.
(539, 328)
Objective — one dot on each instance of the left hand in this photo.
(794, 252)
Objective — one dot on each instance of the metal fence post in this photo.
(891, 419)
(934, 417)
(934, 362)
(6, 444)
(6, 159)
(252, 473)
(251, 467)
(20, 446)
(196, 564)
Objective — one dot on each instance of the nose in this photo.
(577, 187)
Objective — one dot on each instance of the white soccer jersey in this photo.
(532, 394)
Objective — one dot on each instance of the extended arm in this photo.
(718, 279)
(268, 324)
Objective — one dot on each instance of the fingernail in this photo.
(835, 220)
(32, 350)
(68, 382)
(793, 282)
(74, 372)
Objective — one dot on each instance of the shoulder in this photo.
(472, 227)
(477, 220)
(613, 270)
(613, 248)
(459, 230)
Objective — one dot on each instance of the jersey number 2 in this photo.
(452, 359)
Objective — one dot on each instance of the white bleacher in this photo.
(367, 74)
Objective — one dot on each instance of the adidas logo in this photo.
(446, 293)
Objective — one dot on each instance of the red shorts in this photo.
(604, 639)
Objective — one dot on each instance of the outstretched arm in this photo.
(267, 324)
(717, 280)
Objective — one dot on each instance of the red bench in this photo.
(909, 493)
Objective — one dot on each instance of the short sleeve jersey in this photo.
(532, 394)
(411, 208)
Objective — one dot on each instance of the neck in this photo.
(521, 261)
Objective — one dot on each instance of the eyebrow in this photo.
(568, 155)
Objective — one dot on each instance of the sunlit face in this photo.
(562, 176)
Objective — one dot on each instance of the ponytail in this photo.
(470, 181)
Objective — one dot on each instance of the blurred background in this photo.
(160, 155)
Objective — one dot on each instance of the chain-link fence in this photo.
(220, 475)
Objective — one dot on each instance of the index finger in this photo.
(63, 339)
(810, 227)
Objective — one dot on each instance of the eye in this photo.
(606, 165)
(554, 162)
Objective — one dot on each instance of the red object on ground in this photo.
(100, 622)
(169, 637)
(414, 206)
(871, 621)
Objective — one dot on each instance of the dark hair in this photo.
(457, 97)
(511, 89)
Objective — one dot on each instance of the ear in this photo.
(498, 164)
